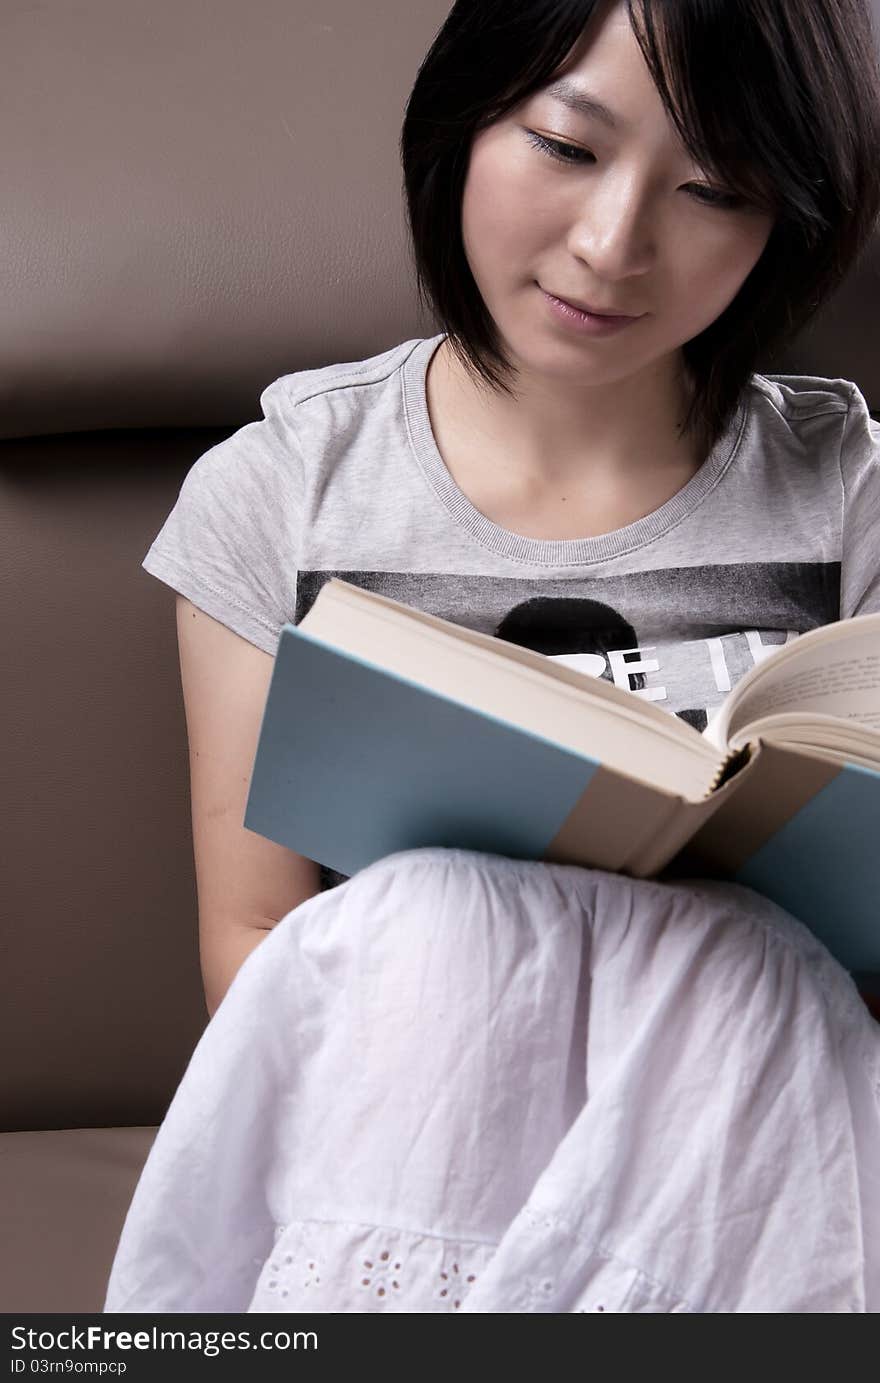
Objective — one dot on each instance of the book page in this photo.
(834, 671)
(518, 685)
(830, 736)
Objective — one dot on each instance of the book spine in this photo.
(777, 783)
(735, 773)
(735, 760)
(668, 837)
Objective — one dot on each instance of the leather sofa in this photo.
(198, 199)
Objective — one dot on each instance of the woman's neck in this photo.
(525, 463)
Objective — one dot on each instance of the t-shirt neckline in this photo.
(549, 551)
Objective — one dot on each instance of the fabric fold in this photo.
(507, 1086)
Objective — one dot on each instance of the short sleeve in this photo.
(230, 543)
(860, 472)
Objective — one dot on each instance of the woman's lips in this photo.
(589, 323)
(594, 311)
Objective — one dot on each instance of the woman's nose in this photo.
(616, 230)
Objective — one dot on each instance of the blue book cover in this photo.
(805, 832)
(355, 762)
(823, 866)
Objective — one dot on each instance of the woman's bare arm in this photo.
(245, 882)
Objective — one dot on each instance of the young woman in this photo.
(459, 1081)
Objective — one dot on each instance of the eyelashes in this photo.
(556, 149)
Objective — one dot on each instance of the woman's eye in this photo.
(554, 148)
(713, 196)
(571, 154)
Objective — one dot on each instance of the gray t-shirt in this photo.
(778, 532)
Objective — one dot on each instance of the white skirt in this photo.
(461, 1082)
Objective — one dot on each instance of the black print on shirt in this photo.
(557, 627)
(588, 628)
(679, 637)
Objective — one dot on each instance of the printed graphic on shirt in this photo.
(629, 629)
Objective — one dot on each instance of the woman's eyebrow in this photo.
(576, 98)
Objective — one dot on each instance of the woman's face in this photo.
(623, 224)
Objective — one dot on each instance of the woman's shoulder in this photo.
(300, 386)
(310, 418)
(807, 396)
(826, 418)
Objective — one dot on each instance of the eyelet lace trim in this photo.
(335, 1266)
(332, 1266)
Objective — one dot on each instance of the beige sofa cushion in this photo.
(64, 1194)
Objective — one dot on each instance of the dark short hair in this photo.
(779, 99)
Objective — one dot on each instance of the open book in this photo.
(388, 729)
